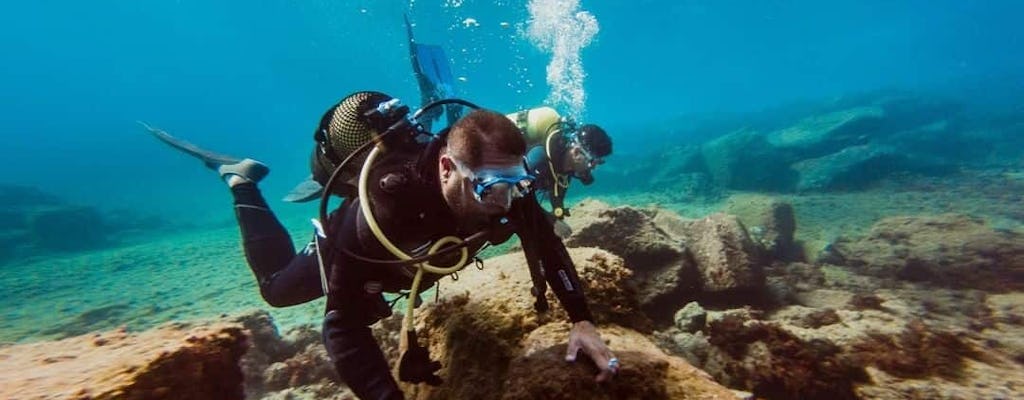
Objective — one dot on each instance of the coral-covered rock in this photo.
(691, 318)
(647, 372)
(776, 364)
(480, 325)
(662, 271)
(727, 258)
(949, 250)
(276, 364)
(171, 362)
(674, 259)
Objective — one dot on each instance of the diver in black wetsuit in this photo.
(468, 182)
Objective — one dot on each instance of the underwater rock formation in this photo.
(842, 144)
(275, 364)
(726, 257)
(850, 168)
(34, 222)
(662, 270)
(492, 343)
(647, 372)
(171, 362)
(674, 258)
(745, 160)
(770, 222)
(819, 135)
(67, 229)
(950, 250)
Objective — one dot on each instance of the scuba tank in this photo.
(346, 127)
(535, 124)
(539, 127)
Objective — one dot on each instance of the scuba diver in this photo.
(416, 207)
(560, 151)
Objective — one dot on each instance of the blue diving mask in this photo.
(496, 186)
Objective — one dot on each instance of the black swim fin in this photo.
(211, 159)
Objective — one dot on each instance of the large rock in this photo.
(276, 363)
(771, 223)
(172, 362)
(67, 228)
(745, 160)
(949, 250)
(674, 259)
(663, 273)
(17, 197)
(727, 258)
(853, 167)
(647, 372)
(818, 135)
(486, 334)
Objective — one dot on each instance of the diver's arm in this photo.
(545, 250)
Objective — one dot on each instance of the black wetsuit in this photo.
(407, 202)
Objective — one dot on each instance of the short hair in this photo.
(482, 129)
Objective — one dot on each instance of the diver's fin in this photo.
(306, 190)
(430, 63)
(211, 159)
(433, 64)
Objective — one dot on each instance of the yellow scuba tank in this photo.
(535, 124)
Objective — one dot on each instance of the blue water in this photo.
(253, 78)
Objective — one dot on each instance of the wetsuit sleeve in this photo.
(546, 254)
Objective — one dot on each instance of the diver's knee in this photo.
(274, 298)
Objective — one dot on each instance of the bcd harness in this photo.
(388, 118)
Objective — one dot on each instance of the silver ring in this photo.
(613, 365)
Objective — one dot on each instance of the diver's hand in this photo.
(562, 229)
(584, 336)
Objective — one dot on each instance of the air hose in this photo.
(421, 267)
(561, 181)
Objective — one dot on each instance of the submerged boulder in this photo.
(674, 259)
(745, 160)
(771, 223)
(171, 362)
(662, 270)
(727, 258)
(492, 343)
(818, 135)
(949, 250)
(850, 168)
(647, 372)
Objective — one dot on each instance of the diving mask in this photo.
(496, 186)
(591, 160)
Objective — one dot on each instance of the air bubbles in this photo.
(560, 28)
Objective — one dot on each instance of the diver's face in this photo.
(581, 162)
(477, 195)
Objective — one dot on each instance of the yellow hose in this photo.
(551, 164)
(364, 204)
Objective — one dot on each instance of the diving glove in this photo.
(415, 365)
